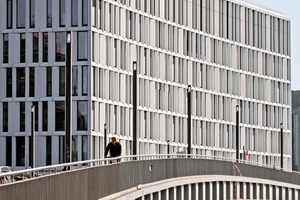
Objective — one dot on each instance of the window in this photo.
(49, 81)
(9, 11)
(32, 14)
(84, 147)
(60, 116)
(22, 47)
(84, 12)
(84, 80)
(21, 16)
(22, 116)
(82, 42)
(20, 151)
(48, 150)
(21, 82)
(62, 13)
(61, 149)
(45, 47)
(35, 47)
(45, 116)
(31, 81)
(8, 82)
(74, 12)
(36, 114)
(5, 117)
(5, 48)
(60, 46)
(8, 151)
(61, 81)
(94, 16)
(74, 148)
(82, 108)
(74, 80)
(49, 13)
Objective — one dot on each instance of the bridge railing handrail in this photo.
(26, 174)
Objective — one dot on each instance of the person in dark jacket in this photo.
(114, 148)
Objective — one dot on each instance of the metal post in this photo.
(189, 137)
(237, 133)
(281, 146)
(134, 102)
(68, 101)
(32, 147)
(105, 138)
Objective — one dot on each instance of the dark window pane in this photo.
(84, 147)
(74, 12)
(5, 117)
(22, 116)
(82, 108)
(74, 148)
(30, 150)
(36, 115)
(84, 12)
(8, 82)
(49, 81)
(5, 48)
(82, 42)
(84, 80)
(60, 46)
(8, 151)
(9, 10)
(48, 150)
(31, 81)
(21, 82)
(45, 116)
(62, 13)
(75, 80)
(61, 149)
(22, 47)
(59, 116)
(61, 81)
(21, 13)
(45, 47)
(32, 14)
(49, 13)
(20, 151)
(35, 47)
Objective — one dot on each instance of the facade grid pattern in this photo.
(232, 53)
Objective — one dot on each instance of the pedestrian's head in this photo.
(113, 140)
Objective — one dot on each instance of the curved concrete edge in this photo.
(149, 188)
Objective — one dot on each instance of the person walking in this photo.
(114, 148)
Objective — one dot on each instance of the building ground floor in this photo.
(15, 149)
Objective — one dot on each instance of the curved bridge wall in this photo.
(102, 181)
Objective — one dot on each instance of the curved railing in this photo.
(11, 177)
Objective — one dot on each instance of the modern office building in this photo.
(296, 129)
(231, 52)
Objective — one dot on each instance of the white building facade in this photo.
(230, 52)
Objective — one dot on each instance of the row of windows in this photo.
(226, 190)
(82, 115)
(16, 81)
(230, 21)
(160, 127)
(21, 14)
(200, 76)
(22, 143)
(36, 39)
(203, 48)
(114, 53)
